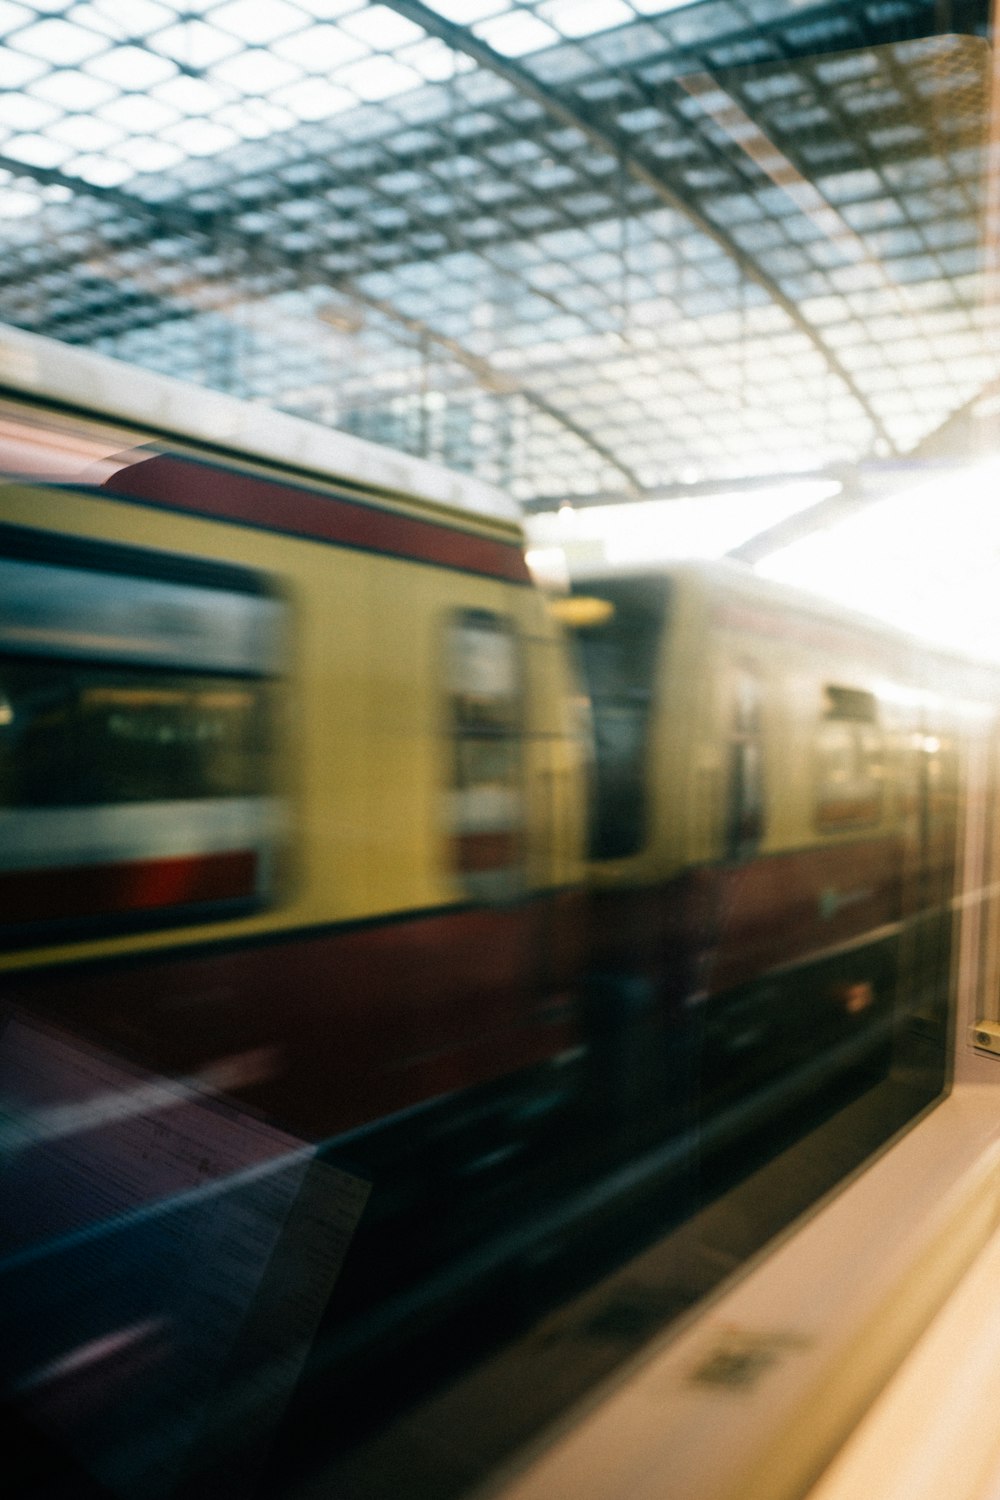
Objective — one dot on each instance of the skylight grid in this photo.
(193, 86)
(296, 158)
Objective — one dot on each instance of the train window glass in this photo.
(850, 762)
(77, 736)
(486, 809)
(745, 793)
(136, 741)
(123, 793)
(618, 648)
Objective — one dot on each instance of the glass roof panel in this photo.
(597, 203)
(193, 44)
(56, 41)
(258, 22)
(466, 11)
(516, 33)
(382, 28)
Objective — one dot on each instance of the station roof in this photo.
(580, 248)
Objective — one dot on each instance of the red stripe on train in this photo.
(96, 890)
(229, 495)
(360, 1023)
(718, 927)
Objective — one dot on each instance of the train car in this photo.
(773, 841)
(290, 783)
(858, 1355)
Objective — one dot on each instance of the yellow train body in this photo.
(434, 824)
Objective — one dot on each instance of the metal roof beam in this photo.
(818, 517)
(968, 434)
(687, 490)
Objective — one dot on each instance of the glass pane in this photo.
(618, 656)
(79, 737)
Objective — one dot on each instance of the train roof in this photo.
(726, 575)
(738, 579)
(98, 386)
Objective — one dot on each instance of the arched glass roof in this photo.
(577, 247)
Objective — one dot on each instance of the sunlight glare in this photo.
(924, 560)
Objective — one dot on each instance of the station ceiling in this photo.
(582, 248)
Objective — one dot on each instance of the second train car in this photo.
(772, 841)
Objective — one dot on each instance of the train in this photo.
(311, 799)
(773, 835)
(288, 748)
(295, 751)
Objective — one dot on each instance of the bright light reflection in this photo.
(656, 531)
(584, 17)
(464, 11)
(16, 205)
(924, 560)
(516, 33)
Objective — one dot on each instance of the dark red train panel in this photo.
(727, 925)
(228, 495)
(357, 1024)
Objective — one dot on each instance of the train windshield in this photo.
(618, 628)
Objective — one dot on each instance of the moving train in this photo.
(773, 833)
(311, 799)
(291, 771)
(305, 781)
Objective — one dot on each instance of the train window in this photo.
(618, 645)
(136, 768)
(122, 792)
(86, 737)
(850, 756)
(486, 811)
(745, 791)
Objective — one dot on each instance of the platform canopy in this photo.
(583, 248)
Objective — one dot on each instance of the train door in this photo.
(497, 812)
(929, 848)
(741, 1023)
(744, 785)
(978, 973)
